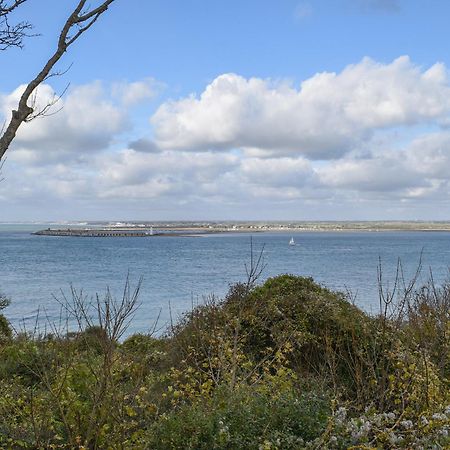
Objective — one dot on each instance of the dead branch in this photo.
(256, 267)
(79, 21)
(12, 35)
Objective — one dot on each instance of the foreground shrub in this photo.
(293, 322)
(427, 324)
(263, 368)
(247, 418)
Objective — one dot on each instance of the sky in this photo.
(236, 110)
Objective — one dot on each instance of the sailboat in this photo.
(292, 242)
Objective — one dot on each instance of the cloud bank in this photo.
(371, 141)
(329, 115)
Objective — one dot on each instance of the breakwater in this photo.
(75, 232)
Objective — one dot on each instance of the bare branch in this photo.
(12, 35)
(1, 178)
(45, 110)
(77, 23)
(6, 7)
(256, 267)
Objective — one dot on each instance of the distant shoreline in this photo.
(196, 230)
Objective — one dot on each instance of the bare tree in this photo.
(79, 21)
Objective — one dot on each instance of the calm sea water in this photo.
(181, 271)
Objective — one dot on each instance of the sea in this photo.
(178, 273)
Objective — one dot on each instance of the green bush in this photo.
(428, 324)
(247, 418)
(315, 319)
(317, 330)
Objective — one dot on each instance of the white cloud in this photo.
(181, 181)
(277, 172)
(430, 155)
(382, 173)
(85, 121)
(330, 114)
(136, 92)
(149, 175)
(419, 169)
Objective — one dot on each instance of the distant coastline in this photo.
(192, 229)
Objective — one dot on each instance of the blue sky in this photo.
(307, 110)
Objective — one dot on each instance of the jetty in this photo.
(105, 232)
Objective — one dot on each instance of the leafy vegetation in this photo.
(285, 365)
(5, 330)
